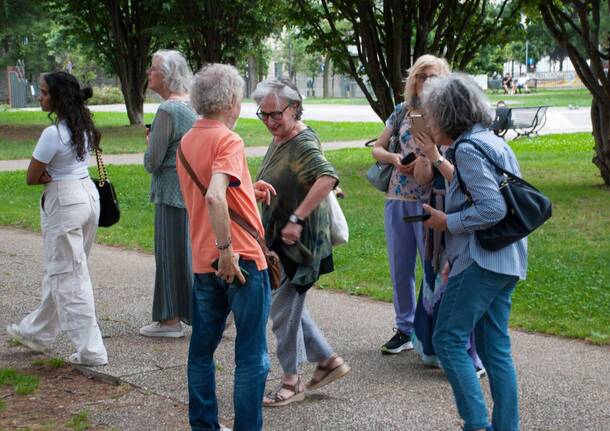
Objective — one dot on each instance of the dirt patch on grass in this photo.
(62, 401)
(28, 133)
(68, 400)
(20, 133)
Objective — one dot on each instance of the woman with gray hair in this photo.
(170, 77)
(229, 266)
(480, 282)
(293, 182)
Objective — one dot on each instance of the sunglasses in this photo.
(275, 115)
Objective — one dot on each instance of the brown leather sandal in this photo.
(278, 400)
(330, 374)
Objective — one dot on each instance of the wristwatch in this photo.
(438, 162)
(295, 219)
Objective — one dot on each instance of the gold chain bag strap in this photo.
(110, 212)
(273, 260)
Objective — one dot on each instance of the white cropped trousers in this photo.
(69, 212)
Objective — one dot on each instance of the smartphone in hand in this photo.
(245, 273)
(418, 124)
(409, 158)
(416, 218)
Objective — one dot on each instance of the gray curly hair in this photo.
(281, 88)
(177, 75)
(455, 103)
(215, 88)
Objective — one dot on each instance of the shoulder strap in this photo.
(232, 214)
(400, 116)
(499, 168)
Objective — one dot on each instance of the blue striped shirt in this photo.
(482, 181)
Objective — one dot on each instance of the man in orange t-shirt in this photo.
(229, 265)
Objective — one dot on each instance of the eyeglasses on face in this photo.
(275, 115)
(425, 76)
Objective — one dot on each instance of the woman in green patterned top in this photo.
(170, 77)
(294, 180)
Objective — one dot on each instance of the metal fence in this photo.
(21, 93)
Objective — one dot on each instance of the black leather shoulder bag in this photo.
(527, 207)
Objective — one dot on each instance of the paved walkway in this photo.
(558, 119)
(564, 384)
(136, 159)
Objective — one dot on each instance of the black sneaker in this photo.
(397, 344)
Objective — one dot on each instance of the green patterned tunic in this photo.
(292, 168)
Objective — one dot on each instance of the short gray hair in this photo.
(177, 75)
(455, 103)
(215, 87)
(282, 88)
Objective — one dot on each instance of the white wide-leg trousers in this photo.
(69, 213)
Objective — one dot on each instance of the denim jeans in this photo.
(479, 300)
(213, 299)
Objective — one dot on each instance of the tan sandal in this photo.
(278, 400)
(330, 374)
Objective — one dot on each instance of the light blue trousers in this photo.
(404, 241)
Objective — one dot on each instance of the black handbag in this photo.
(526, 208)
(110, 212)
(380, 173)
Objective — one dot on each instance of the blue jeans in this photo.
(213, 299)
(479, 300)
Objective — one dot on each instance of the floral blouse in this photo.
(404, 187)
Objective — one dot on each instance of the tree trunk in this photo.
(252, 75)
(325, 76)
(361, 37)
(134, 102)
(600, 119)
(588, 64)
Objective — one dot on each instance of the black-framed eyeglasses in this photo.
(275, 115)
(423, 77)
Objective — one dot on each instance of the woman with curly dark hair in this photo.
(69, 213)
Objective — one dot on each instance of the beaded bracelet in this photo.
(223, 246)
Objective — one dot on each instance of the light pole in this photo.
(526, 56)
(524, 24)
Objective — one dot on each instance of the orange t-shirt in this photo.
(210, 148)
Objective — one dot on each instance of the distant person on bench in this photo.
(521, 84)
(507, 84)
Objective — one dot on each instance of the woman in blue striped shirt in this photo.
(480, 282)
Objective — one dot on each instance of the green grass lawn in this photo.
(556, 97)
(20, 130)
(541, 96)
(566, 292)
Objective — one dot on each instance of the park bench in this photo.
(524, 121)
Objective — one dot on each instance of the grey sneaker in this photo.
(156, 329)
(76, 360)
(30, 343)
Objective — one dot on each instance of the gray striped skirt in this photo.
(173, 276)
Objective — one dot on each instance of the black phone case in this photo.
(408, 158)
(416, 218)
(245, 273)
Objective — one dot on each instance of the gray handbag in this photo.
(380, 173)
